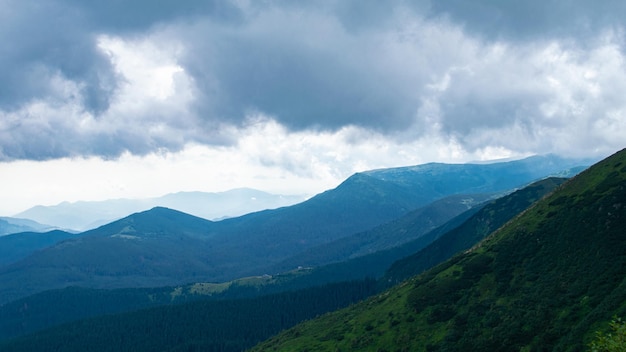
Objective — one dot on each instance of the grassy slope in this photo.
(485, 221)
(544, 281)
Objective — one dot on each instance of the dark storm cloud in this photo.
(534, 19)
(42, 40)
(309, 65)
(48, 44)
(336, 65)
(119, 16)
(304, 72)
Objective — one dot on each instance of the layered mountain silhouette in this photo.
(10, 225)
(86, 215)
(544, 281)
(166, 247)
(407, 228)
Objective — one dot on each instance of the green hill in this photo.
(54, 307)
(544, 281)
(158, 247)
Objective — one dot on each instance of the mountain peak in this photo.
(158, 220)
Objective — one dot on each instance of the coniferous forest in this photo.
(225, 325)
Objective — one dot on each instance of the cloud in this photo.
(147, 110)
(123, 17)
(90, 78)
(533, 20)
(266, 156)
(546, 96)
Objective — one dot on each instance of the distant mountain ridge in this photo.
(86, 215)
(9, 225)
(164, 247)
(157, 247)
(479, 177)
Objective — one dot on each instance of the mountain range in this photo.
(546, 280)
(468, 228)
(166, 247)
(86, 215)
(558, 258)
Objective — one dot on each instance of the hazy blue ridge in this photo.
(10, 225)
(86, 215)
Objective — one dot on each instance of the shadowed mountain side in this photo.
(154, 248)
(430, 249)
(19, 245)
(362, 202)
(391, 234)
(488, 219)
(544, 281)
(224, 326)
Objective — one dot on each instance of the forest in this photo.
(226, 325)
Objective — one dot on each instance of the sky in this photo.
(131, 99)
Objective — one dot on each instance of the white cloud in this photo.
(534, 98)
(267, 156)
(150, 108)
(149, 69)
(290, 98)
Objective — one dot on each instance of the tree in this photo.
(612, 341)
